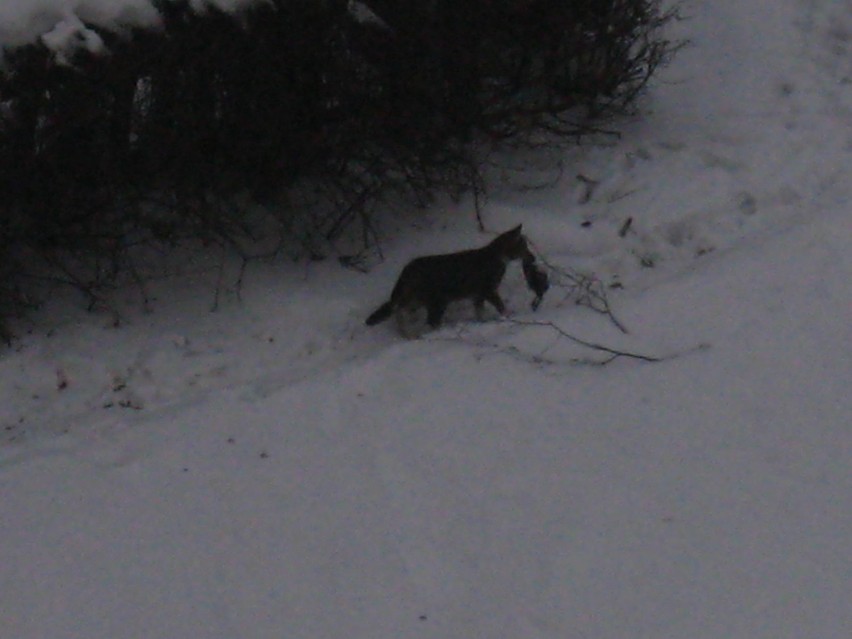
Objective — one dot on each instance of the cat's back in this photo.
(448, 265)
(450, 275)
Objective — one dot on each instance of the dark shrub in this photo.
(170, 133)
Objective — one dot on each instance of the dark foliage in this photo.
(167, 135)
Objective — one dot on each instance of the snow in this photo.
(69, 36)
(278, 469)
(26, 21)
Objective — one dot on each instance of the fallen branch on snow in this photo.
(463, 333)
(613, 353)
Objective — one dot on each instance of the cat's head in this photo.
(512, 245)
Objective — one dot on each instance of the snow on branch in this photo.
(69, 36)
(65, 26)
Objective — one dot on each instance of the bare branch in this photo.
(613, 353)
(464, 334)
(584, 290)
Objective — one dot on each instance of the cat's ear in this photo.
(516, 230)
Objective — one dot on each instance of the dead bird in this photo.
(537, 279)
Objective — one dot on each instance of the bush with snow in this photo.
(124, 123)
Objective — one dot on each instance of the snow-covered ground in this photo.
(276, 469)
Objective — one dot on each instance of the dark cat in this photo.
(433, 281)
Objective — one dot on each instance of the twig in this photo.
(464, 335)
(585, 290)
(220, 278)
(590, 187)
(478, 187)
(613, 352)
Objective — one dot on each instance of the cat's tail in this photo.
(380, 314)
